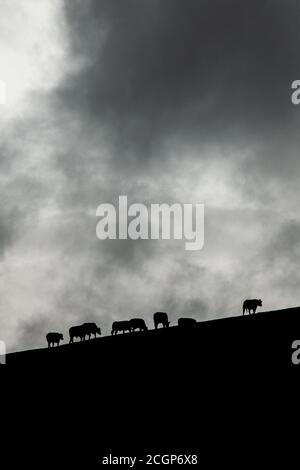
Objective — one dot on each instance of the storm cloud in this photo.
(163, 101)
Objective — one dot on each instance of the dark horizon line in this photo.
(213, 320)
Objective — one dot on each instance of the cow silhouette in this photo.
(250, 305)
(90, 329)
(186, 322)
(54, 338)
(161, 318)
(76, 332)
(121, 326)
(81, 331)
(138, 324)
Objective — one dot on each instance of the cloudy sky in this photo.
(163, 101)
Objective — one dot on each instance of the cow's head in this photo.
(260, 302)
(98, 330)
(61, 337)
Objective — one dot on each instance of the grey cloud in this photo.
(163, 86)
(192, 71)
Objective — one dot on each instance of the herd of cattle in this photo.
(86, 330)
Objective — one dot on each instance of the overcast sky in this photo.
(164, 101)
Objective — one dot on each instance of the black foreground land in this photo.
(225, 389)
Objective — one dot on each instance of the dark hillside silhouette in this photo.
(204, 389)
(232, 340)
